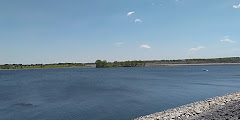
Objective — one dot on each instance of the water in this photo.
(108, 93)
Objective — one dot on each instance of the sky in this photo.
(53, 31)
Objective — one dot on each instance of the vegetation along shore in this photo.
(135, 63)
(43, 66)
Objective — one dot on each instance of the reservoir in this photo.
(109, 93)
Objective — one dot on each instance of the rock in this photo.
(194, 110)
(197, 111)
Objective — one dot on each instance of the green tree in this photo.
(101, 64)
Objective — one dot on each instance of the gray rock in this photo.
(222, 107)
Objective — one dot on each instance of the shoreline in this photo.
(197, 64)
(198, 110)
(47, 68)
(147, 65)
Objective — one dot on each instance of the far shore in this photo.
(134, 63)
(197, 64)
(47, 68)
(146, 65)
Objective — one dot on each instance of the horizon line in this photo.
(116, 60)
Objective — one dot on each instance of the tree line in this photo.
(29, 66)
(135, 63)
(104, 63)
(198, 61)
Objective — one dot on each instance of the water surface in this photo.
(108, 93)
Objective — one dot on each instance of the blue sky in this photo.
(52, 31)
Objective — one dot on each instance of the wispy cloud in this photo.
(145, 46)
(227, 39)
(130, 13)
(118, 44)
(236, 6)
(157, 4)
(236, 49)
(196, 48)
(138, 20)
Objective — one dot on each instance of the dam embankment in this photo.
(221, 107)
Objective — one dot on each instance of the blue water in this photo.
(108, 93)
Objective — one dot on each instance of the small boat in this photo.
(205, 70)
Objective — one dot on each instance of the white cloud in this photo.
(226, 39)
(196, 48)
(118, 44)
(236, 6)
(145, 46)
(130, 13)
(138, 20)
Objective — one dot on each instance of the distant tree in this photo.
(115, 64)
(101, 64)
